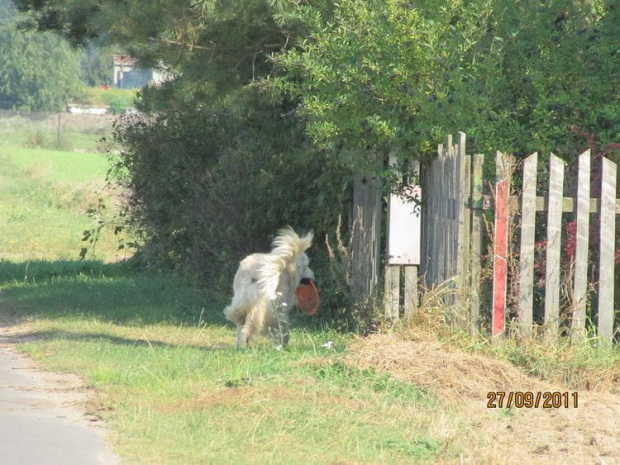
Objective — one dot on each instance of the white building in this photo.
(128, 74)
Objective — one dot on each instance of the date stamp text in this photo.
(531, 399)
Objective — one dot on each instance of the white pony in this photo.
(265, 288)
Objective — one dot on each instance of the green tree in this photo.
(516, 77)
(96, 66)
(7, 11)
(359, 77)
(212, 47)
(37, 71)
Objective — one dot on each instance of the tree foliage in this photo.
(201, 203)
(213, 165)
(212, 47)
(37, 71)
(7, 11)
(515, 77)
(96, 66)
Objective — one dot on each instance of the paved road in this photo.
(41, 422)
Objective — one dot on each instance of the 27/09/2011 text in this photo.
(530, 399)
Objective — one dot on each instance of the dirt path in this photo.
(588, 434)
(42, 414)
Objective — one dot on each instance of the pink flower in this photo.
(571, 240)
(540, 245)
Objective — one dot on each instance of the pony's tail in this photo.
(287, 249)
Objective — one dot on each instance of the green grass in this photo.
(161, 358)
(57, 131)
(188, 399)
(101, 97)
(54, 165)
(174, 389)
(44, 197)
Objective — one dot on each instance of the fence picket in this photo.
(500, 249)
(606, 255)
(443, 218)
(392, 293)
(411, 290)
(476, 240)
(366, 238)
(526, 255)
(580, 280)
(449, 250)
(432, 213)
(463, 221)
(554, 244)
(447, 176)
(454, 216)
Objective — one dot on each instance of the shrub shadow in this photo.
(55, 334)
(116, 293)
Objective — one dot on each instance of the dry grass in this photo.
(461, 370)
(455, 376)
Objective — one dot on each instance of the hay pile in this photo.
(453, 375)
(461, 380)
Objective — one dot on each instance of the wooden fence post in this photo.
(526, 254)
(476, 240)
(500, 247)
(462, 195)
(411, 303)
(582, 233)
(391, 296)
(607, 251)
(366, 237)
(554, 245)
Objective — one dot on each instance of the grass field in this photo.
(45, 196)
(161, 357)
(57, 131)
(173, 390)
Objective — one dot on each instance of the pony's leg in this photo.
(237, 316)
(243, 335)
(251, 324)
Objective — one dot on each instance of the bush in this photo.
(37, 139)
(202, 203)
(118, 105)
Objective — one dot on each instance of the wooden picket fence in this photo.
(554, 205)
(453, 235)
